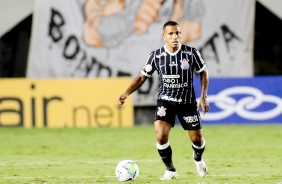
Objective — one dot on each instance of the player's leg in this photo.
(190, 121)
(165, 119)
(198, 145)
(162, 130)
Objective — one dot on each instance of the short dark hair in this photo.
(170, 23)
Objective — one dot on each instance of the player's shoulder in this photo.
(190, 50)
(187, 47)
(157, 51)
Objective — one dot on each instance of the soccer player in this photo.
(175, 64)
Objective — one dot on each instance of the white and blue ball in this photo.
(127, 170)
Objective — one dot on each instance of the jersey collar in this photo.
(179, 47)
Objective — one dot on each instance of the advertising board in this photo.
(64, 103)
(244, 100)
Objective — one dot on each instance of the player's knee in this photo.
(197, 140)
(162, 138)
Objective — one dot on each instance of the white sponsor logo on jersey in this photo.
(170, 99)
(191, 119)
(179, 85)
(171, 76)
(186, 52)
(161, 54)
(173, 64)
(170, 83)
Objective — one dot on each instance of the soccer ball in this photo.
(127, 170)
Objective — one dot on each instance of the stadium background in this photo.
(249, 59)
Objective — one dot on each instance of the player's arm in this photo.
(204, 77)
(136, 84)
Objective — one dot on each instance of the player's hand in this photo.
(146, 15)
(93, 11)
(122, 99)
(177, 11)
(204, 104)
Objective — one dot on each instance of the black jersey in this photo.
(175, 72)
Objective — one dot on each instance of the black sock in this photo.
(198, 152)
(166, 155)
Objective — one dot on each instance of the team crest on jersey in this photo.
(161, 111)
(184, 64)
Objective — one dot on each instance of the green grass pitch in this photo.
(248, 154)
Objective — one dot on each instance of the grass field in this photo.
(234, 154)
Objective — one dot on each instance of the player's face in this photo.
(172, 35)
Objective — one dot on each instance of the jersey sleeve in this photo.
(150, 66)
(199, 62)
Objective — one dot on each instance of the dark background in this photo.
(14, 49)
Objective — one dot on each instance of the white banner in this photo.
(110, 38)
